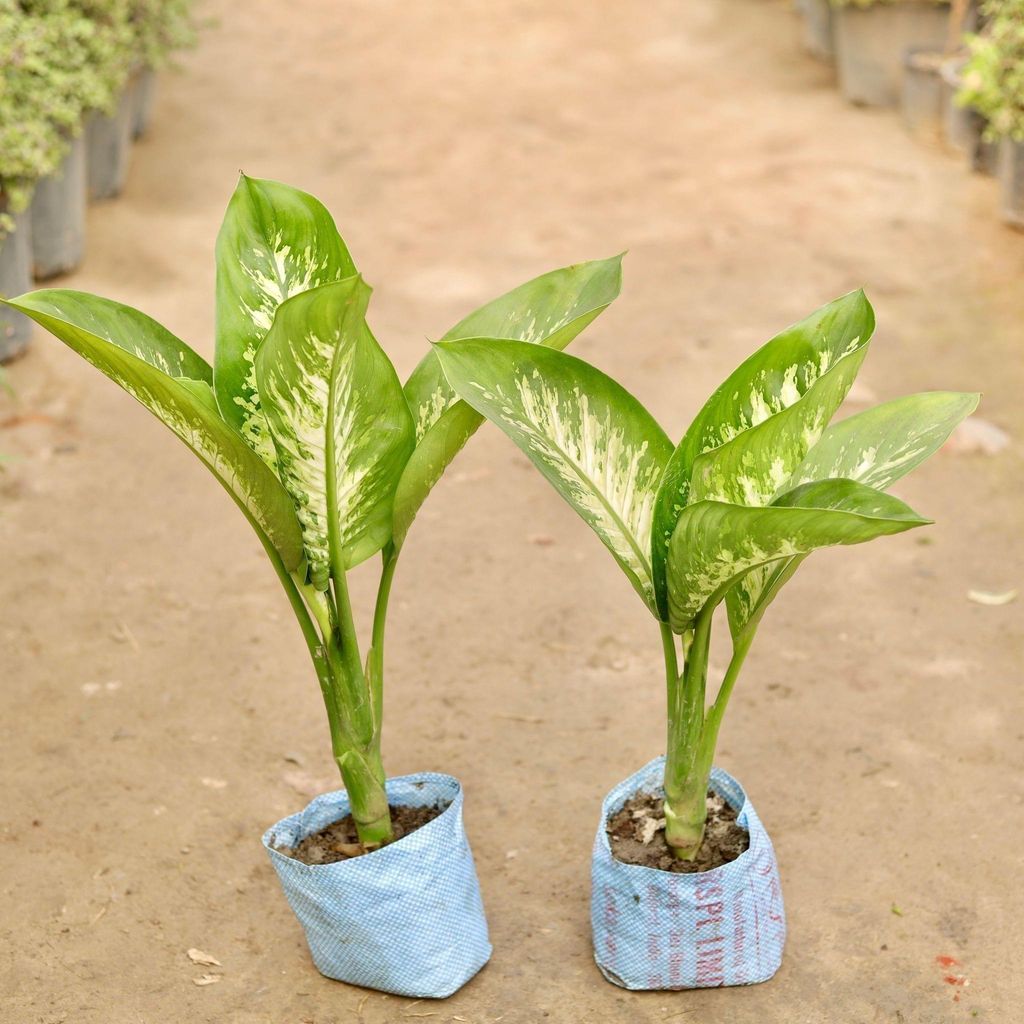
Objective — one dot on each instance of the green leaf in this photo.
(170, 380)
(880, 445)
(275, 242)
(339, 421)
(756, 465)
(775, 378)
(550, 310)
(715, 543)
(876, 448)
(592, 440)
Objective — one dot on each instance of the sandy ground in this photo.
(156, 708)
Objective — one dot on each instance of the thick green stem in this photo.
(362, 775)
(358, 755)
(685, 784)
(355, 737)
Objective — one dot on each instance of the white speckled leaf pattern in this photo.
(715, 543)
(880, 445)
(772, 380)
(599, 448)
(275, 242)
(755, 465)
(339, 420)
(550, 310)
(145, 360)
(875, 447)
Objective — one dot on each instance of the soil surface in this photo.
(157, 706)
(637, 836)
(340, 841)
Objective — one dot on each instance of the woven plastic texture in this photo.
(407, 918)
(661, 930)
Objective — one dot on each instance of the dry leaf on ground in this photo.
(197, 956)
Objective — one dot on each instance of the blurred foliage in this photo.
(993, 78)
(62, 59)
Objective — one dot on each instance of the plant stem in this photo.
(685, 789)
(360, 771)
(713, 720)
(355, 744)
(375, 657)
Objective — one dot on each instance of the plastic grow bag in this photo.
(407, 918)
(661, 930)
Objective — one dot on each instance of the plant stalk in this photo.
(685, 782)
(355, 744)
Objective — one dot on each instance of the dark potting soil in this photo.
(339, 840)
(637, 835)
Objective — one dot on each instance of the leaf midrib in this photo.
(627, 533)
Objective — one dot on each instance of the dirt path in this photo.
(156, 711)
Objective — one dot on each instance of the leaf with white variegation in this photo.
(550, 310)
(173, 382)
(276, 241)
(875, 447)
(775, 378)
(591, 439)
(715, 543)
(755, 465)
(339, 420)
(880, 445)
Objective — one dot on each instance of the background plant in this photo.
(993, 77)
(758, 481)
(62, 59)
(304, 422)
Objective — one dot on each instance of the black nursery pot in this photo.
(108, 140)
(871, 41)
(15, 279)
(1011, 182)
(58, 216)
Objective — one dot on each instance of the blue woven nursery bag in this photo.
(407, 918)
(661, 930)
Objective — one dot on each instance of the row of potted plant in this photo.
(77, 87)
(992, 94)
(304, 421)
(954, 67)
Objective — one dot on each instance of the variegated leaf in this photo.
(772, 380)
(875, 447)
(755, 465)
(880, 445)
(275, 242)
(173, 382)
(715, 543)
(550, 310)
(592, 440)
(340, 423)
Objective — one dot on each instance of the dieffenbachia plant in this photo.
(304, 422)
(758, 481)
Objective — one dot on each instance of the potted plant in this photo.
(37, 116)
(15, 276)
(993, 86)
(160, 27)
(56, 77)
(303, 420)
(684, 874)
(871, 37)
(817, 19)
(921, 95)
